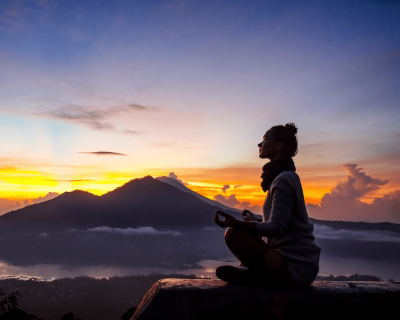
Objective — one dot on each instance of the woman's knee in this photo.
(231, 235)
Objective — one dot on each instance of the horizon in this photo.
(97, 93)
(51, 196)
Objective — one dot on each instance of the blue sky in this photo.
(193, 86)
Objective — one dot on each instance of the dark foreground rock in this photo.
(214, 299)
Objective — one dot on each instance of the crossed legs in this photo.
(258, 256)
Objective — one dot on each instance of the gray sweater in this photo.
(287, 229)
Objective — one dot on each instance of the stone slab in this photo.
(214, 299)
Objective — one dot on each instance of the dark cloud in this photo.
(343, 202)
(137, 107)
(225, 187)
(70, 180)
(104, 153)
(92, 117)
(130, 132)
(101, 126)
(76, 113)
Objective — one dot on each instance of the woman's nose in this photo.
(259, 145)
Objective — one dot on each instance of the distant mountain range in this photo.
(138, 203)
(161, 203)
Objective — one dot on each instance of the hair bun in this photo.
(291, 127)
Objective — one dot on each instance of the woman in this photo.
(287, 255)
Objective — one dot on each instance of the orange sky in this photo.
(18, 183)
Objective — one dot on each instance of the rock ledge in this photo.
(214, 299)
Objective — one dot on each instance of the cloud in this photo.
(232, 202)
(49, 196)
(92, 117)
(137, 107)
(229, 201)
(324, 232)
(175, 177)
(71, 180)
(343, 202)
(7, 205)
(163, 144)
(104, 153)
(131, 132)
(237, 187)
(225, 187)
(136, 231)
(76, 113)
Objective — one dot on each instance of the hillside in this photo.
(138, 203)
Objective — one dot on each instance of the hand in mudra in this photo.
(247, 215)
(228, 221)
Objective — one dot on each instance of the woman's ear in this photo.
(278, 147)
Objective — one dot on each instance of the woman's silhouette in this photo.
(287, 255)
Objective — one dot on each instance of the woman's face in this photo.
(269, 148)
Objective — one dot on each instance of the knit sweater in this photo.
(287, 229)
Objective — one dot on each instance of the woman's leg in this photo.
(257, 255)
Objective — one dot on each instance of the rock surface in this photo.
(214, 299)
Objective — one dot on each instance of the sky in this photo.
(96, 93)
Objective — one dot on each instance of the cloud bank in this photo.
(132, 231)
(324, 232)
(343, 202)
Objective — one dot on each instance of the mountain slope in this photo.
(183, 188)
(138, 203)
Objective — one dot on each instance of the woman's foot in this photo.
(240, 275)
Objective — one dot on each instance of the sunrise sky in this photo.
(190, 87)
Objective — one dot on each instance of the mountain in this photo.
(138, 203)
(183, 188)
(351, 225)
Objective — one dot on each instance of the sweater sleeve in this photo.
(282, 198)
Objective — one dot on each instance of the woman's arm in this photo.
(283, 196)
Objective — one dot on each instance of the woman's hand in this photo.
(247, 215)
(229, 221)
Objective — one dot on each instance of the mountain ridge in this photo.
(141, 202)
(181, 187)
(131, 205)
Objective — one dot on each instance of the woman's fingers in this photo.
(246, 214)
(222, 213)
(222, 223)
(216, 219)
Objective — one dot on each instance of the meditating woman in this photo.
(278, 250)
